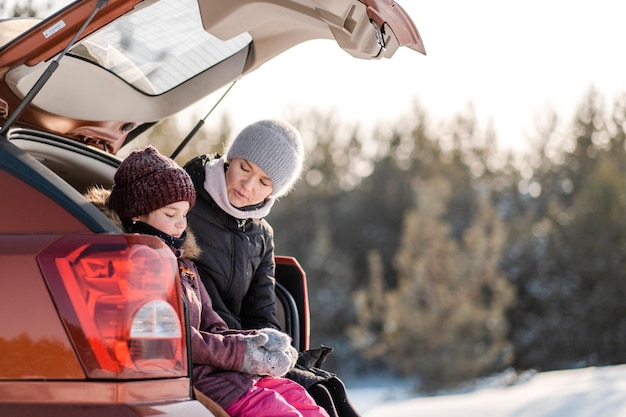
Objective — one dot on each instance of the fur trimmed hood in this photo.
(99, 197)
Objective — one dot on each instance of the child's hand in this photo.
(260, 361)
(255, 341)
(276, 340)
(293, 355)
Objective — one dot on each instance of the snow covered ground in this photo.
(587, 392)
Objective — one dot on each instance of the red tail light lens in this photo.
(119, 298)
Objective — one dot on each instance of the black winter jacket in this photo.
(237, 262)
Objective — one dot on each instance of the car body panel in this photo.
(33, 341)
(142, 409)
(28, 218)
(35, 186)
(95, 392)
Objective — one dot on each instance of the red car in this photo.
(92, 322)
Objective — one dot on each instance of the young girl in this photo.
(239, 370)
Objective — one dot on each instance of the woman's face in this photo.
(246, 183)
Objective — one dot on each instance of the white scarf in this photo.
(215, 185)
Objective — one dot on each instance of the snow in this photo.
(587, 392)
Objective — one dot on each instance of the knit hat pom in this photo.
(146, 181)
(274, 146)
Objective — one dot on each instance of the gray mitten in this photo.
(276, 340)
(293, 355)
(259, 361)
(255, 341)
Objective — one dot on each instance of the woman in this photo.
(234, 195)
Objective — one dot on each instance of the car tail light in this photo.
(119, 298)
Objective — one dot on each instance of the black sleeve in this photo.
(258, 309)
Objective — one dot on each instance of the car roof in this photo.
(139, 62)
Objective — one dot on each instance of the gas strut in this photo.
(198, 125)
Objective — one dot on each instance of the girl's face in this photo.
(246, 183)
(171, 219)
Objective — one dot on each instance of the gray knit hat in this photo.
(146, 181)
(275, 147)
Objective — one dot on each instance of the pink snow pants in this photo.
(276, 397)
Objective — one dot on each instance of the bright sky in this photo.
(512, 60)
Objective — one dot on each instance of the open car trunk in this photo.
(139, 62)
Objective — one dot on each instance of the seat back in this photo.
(292, 302)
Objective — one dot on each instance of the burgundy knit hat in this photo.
(146, 181)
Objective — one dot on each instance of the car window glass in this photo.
(146, 48)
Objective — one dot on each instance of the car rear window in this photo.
(146, 48)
